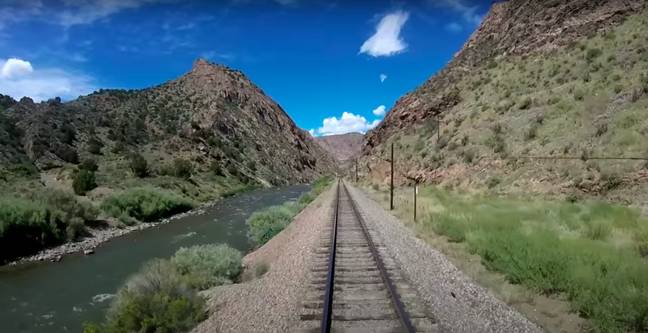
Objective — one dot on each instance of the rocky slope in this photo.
(558, 79)
(213, 116)
(344, 147)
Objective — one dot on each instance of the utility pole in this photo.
(356, 170)
(391, 184)
(415, 194)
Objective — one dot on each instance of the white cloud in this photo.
(387, 40)
(70, 13)
(468, 13)
(312, 132)
(78, 12)
(454, 27)
(42, 84)
(348, 123)
(379, 111)
(383, 77)
(14, 68)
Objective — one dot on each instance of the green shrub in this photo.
(182, 168)
(525, 103)
(156, 299)
(89, 164)
(592, 54)
(205, 266)
(27, 226)
(145, 204)
(306, 198)
(83, 181)
(267, 223)
(139, 166)
(94, 146)
(215, 168)
(493, 181)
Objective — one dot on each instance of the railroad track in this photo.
(355, 285)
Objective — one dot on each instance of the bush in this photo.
(205, 266)
(145, 204)
(139, 166)
(493, 181)
(27, 226)
(216, 169)
(182, 168)
(83, 181)
(94, 146)
(89, 164)
(267, 223)
(592, 54)
(156, 299)
(531, 133)
(525, 103)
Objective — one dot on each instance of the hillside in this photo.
(343, 147)
(213, 117)
(561, 80)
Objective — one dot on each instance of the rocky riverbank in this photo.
(99, 236)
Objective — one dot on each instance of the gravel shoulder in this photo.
(456, 302)
(272, 302)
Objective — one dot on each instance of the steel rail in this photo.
(330, 279)
(403, 316)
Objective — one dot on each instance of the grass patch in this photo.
(589, 251)
(145, 204)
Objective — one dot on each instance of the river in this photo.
(60, 297)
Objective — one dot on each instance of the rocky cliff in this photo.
(343, 147)
(553, 78)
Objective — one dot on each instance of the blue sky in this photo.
(333, 66)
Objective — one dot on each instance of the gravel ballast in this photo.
(272, 303)
(456, 302)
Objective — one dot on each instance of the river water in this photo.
(60, 297)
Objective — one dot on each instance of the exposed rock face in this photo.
(211, 115)
(514, 27)
(344, 147)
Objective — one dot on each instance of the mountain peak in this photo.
(201, 63)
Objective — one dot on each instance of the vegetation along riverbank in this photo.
(164, 296)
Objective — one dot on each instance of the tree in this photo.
(139, 166)
(89, 164)
(182, 168)
(83, 181)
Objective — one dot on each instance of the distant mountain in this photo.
(212, 116)
(343, 147)
(562, 78)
